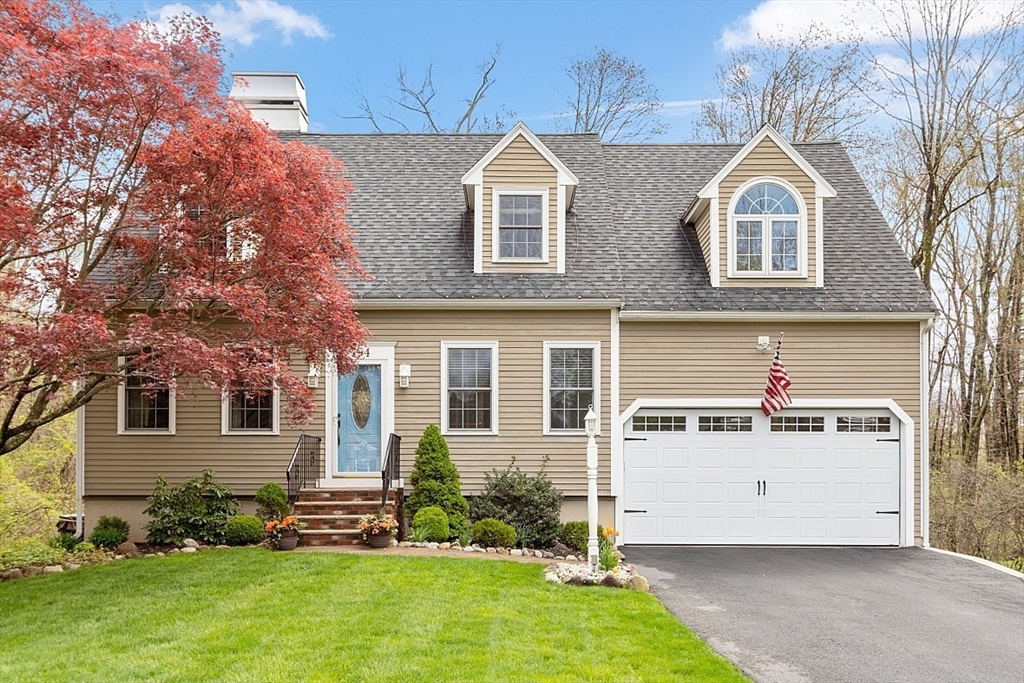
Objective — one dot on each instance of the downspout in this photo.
(79, 471)
(926, 328)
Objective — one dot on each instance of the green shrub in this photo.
(108, 539)
(531, 504)
(271, 502)
(435, 481)
(244, 530)
(115, 523)
(575, 535)
(199, 509)
(432, 522)
(493, 533)
(83, 547)
(29, 552)
(66, 542)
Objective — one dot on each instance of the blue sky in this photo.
(343, 48)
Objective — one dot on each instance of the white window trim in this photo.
(766, 272)
(496, 194)
(493, 346)
(225, 416)
(548, 346)
(122, 430)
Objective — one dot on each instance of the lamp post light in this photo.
(593, 551)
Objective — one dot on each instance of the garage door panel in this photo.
(809, 482)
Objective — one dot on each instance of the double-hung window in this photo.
(250, 411)
(469, 391)
(767, 232)
(571, 385)
(520, 225)
(143, 406)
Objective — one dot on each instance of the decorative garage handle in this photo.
(887, 512)
(635, 438)
(635, 512)
(892, 440)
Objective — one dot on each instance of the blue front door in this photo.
(359, 423)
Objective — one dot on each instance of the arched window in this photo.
(766, 231)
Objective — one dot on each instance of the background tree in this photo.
(145, 217)
(808, 89)
(613, 98)
(411, 105)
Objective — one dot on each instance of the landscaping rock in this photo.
(173, 551)
(118, 557)
(548, 555)
(202, 548)
(570, 558)
(551, 577)
(559, 557)
(54, 569)
(445, 545)
(468, 549)
(456, 546)
(134, 555)
(32, 571)
(432, 546)
(222, 546)
(405, 544)
(11, 574)
(492, 551)
(503, 551)
(127, 547)
(561, 549)
(190, 543)
(189, 549)
(516, 552)
(72, 567)
(161, 554)
(638, 583)
(394, 543)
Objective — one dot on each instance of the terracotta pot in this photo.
(289, 539)
(379, 540)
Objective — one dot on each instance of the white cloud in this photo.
(787, 19)
(245, 21)
(679, 107)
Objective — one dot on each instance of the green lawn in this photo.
(254, 615)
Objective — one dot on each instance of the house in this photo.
(520, 278)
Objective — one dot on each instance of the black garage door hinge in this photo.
(634, 438)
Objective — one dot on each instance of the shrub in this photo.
(435, 481)
(29, 552)
(531, 504)
(576, 534)
(200, 509)
(108, 539)
(115, 523)
(432, 522)
(493, 533)
(66, 542)
(244, 530)
(83, 547)
(271, 502)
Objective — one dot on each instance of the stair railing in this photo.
(306, 465)
(391, 467)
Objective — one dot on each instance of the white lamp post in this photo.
(593, 551)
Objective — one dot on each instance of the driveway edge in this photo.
(979, 560)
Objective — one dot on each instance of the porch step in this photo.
(331, 522)
(322, 537)
(344, 496)
(327, 507)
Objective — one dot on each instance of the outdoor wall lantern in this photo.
(313, 376)
(404, 373)
(593, 551)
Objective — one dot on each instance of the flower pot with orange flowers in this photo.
(284, 533)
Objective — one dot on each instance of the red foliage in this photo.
(143, 213)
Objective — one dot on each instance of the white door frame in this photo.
(907, 504)
(375, 353)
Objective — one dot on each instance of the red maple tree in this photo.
(144, 216)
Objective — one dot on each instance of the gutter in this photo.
(808, 316)
(509, 303)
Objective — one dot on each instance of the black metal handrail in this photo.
(306, 465)
(391, 467)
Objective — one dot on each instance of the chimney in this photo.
(277, 99)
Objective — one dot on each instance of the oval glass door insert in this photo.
(361, 401)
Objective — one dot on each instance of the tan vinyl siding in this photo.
(126, 465)
(767, 159)
(521, 167)
(520, 335)
(824, 360)
(703, 226)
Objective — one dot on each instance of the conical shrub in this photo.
(435, 481)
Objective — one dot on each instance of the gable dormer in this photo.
(759, 220)
(519, 193)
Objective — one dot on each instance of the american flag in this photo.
(775, 395)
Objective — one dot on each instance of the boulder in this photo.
(74, 566)
(54, 569)
(190, 543)
(503, 551)
(561, 549)
(127, 547)
(570, 558)
(32, 571)
(189, 549)
(173, 551)
(11, 574)
(468, 549)
(161, 554)
(548, 555)
(222, 546)
(405, 544)
(492, 551)
(445, 545)
(516, 552)
(432, 546)
(202, 547)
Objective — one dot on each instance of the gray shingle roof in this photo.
(623, 238)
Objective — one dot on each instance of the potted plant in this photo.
(378, 529)
(284, 533)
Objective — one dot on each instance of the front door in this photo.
(359, 420)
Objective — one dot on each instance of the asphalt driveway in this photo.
(871, 615)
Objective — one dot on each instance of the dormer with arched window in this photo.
(759, 220)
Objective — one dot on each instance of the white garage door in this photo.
(801, 477)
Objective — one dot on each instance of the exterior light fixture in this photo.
(404, 373)
(593, 550)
